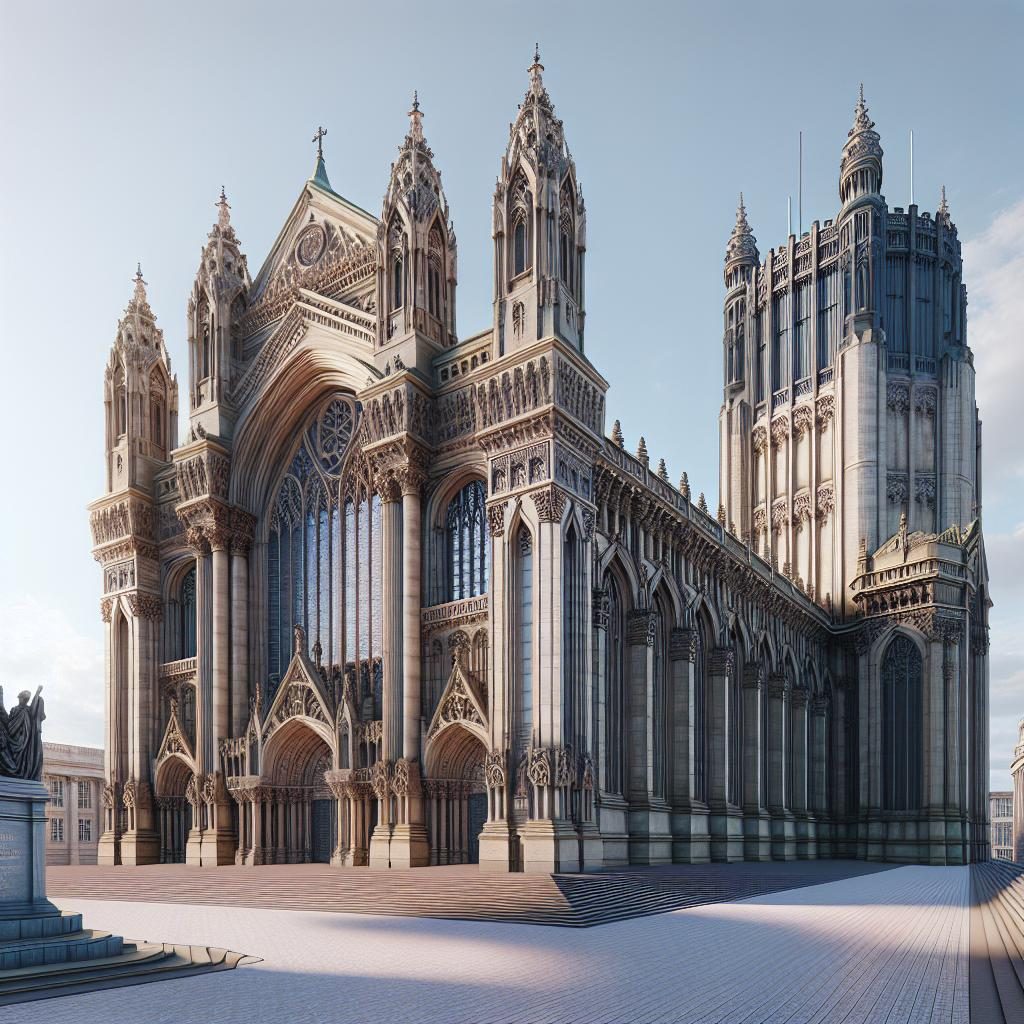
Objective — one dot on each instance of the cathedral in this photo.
(396, 598)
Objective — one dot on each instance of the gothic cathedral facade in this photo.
(396, 599)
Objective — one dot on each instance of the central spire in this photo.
(416, 119)
(535, 70)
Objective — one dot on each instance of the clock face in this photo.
(311, 245)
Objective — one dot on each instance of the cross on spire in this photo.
(318, 138)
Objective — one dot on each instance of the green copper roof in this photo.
(320, 175)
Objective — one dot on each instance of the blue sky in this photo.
(121, 122)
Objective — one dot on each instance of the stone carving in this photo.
(803, 420)
(826, 409)
(760, 439)
(925, 488)
(538, 768)
(780, 515)
(21, 737)
(801, 511)
(496, 519)
(924, 401)
(779, 431)
(826, 502)
(896, 488)
(550, 503)
(897, 398)
(494, 769)
(760, 520)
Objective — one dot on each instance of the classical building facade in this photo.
(1001, 818)
(397, 599)
(1017, 774)
(75, 778)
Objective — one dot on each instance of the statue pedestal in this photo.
(23, 850)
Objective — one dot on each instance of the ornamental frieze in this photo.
(550, 503)
(202, 475)
(924, 487)
(119, 576)
(896, 488)
(924, 401)
(897, 398)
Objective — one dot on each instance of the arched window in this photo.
(615, 711)
(204, 362)
(435, 252)
(519, 246)
(902, 753)
(397, 283)
(120, 402)
(566, 237)
(468, 543)
(187, 604)
(324, 556)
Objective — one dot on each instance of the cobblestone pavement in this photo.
(891, 946)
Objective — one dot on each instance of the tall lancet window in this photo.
(468, 543)
(519, 246)
(187, 625)
(902, 752)
(324, 555)
(615, 696)
(435, 256)
(520, 207)
(120, 402)
(566, 238)
(397, 284)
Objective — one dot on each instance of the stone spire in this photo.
(742, 246)
(617, 437)
(684, 486)
(662, 470)
(860, 170)
(139, 302)
(415, 118)
(223, 212)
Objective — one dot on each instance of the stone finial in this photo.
(617, 437)
(742, 244)
(662, 470)
(535, 69)
(416, 118)
(641, 452)
(861, 121)
(721, 514)
(702, 503)
(684, 486)
(223, 216)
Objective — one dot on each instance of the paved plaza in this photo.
(889, 946)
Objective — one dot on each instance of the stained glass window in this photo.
(468, 543)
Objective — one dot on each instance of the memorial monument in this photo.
(45, 951)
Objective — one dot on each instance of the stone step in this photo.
(85, 944)
(138, 963)
(15, 928)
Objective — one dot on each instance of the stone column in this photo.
(756, 822)
(72, 798)
(391, 634)
(410, 846)
(932, 825)
(690, 841)
(241, 539)
(799, 757)
(783, 846)
(724, 820)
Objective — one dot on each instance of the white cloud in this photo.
(39, 645)
(994, 273)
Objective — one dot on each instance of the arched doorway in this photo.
(456, 795)
(174, 813)
(295, 819)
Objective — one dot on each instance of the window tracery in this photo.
(323, 556)
(468, 543)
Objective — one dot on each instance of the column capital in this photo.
(753, 678)
(550, 503)
(243, 527)
(799, 698)
(721, 661)
(682, 645)
(640, 628)
(776, 685)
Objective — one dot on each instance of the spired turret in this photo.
(416, 256)
(215, 310)
(140, 396)
(539, 230)
(860, 170)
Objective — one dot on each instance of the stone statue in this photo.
(21, 737)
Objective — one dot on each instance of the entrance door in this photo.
(322, 815)
(477, 818)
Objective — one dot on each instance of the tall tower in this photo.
(416, 250)
(214, 343)
(848, 386)
(540, 230)
(140, 399)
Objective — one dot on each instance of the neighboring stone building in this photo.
(1017, 774)
(397, 599)
(1001, 817)
(74, 776)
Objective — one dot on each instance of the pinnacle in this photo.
(662, 470)
(943, 206)
(861, 121)
(641, 452)
(223, 217)
(617, 437)
(684, 486)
